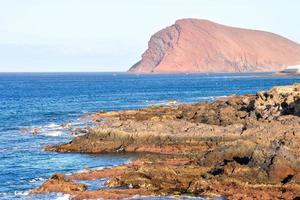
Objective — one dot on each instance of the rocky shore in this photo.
(241, 147)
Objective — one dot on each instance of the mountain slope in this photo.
(193, 45)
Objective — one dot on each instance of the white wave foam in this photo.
(82, 171)
(224, 97)
(157, 102)
(55, 130)
(21, 193)
(75, 123)
(98, 168)
(54, 133)
(36, 179)
(63, 197)
(52, 125)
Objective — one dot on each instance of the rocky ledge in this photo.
(241, 147)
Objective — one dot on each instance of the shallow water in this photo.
(46, 100)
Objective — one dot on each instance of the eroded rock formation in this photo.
(59, 182)
(242, 147)
(192, 45)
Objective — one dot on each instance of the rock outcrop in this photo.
(59, 183)
(241, 147)
(192, 45)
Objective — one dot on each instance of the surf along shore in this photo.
(241, 147)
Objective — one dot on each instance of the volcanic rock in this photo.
(241, 147)
(59, 183)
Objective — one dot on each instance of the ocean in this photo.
(47, 100)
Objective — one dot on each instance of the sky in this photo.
(111, 35)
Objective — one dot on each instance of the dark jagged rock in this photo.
(241, 147)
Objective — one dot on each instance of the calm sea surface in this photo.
(47, 100)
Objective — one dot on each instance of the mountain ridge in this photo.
(196, 45)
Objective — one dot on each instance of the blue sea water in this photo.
(46, 100)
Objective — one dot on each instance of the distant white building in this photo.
(292, 69)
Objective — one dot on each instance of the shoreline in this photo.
(238, 147)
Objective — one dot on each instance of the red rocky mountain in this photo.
(193, 45)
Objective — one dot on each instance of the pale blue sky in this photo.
(111, 35)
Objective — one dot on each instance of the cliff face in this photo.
(192, 45)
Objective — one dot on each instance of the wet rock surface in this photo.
(59, 183)
(241, 147)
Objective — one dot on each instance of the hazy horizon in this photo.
(110, 36)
